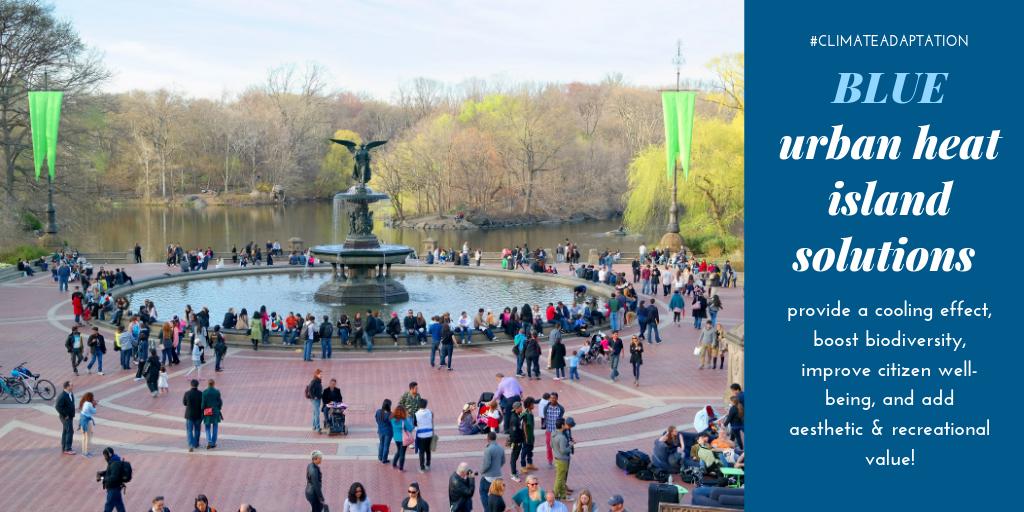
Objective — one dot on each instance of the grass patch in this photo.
(27, 252)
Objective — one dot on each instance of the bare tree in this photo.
(36, 50)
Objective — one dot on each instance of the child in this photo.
(574, 364)
(161, 383)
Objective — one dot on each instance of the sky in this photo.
(216, 47)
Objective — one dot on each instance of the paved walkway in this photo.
(267, 418)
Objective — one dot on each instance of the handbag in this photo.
(208, 411)
(697, 350)
(433, 442)
(407, 438)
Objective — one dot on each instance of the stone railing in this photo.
(381, 341)
(109, 257)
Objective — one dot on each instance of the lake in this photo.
(118, 229)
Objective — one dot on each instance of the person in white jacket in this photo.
(424, 434)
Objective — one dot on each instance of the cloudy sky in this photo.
(206, 48)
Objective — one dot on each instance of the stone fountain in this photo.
(361, 265)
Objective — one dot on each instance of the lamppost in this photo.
(672, 240)
(673, 210)
(44, 117)
(51, 212)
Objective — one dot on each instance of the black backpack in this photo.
(653, 475)
(632, 461)
(126, 471)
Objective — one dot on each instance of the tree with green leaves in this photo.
(712, 196)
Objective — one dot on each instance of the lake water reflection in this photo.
(119, 229)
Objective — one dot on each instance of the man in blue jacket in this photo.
(435, 338)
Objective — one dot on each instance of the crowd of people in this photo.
(152, 345)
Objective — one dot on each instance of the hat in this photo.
(616, 500)
(571, 422)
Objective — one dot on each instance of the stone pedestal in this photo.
(671, 241)
(296, 244)
(362, 290)
(734, 340)
(429, 245)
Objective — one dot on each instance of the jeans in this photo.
(465, 335)
(423, 446)
(653, 326)
(211, 433)
(76, 358)
(485, 486)
(533, 367)
(368, 339)
(325, 347)
(517, 451)
(614, 317)
(434, 348)
(383, 446)
(560, 373)
(446, 354)
(398, 461)
(574, 373)
(613, 361)
(316, 413)
(547, 445)
(67, 433)
(697, 321)
(307, 350)
(115, 501)
(192, 432)
(636, 371)
(219, 358)
(343, 335)
(126, 359)
(314, 506)
(410, 338)
(714, 316)
(63, 284)
(506, 411)
(97, 357)
(526, 457)
(519, 362)
(289, 335)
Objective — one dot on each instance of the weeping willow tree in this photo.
(711, 198)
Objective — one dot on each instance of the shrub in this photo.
(29, 222)
(27, 252)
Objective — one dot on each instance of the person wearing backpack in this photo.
(219, 348)
(326, 331)
(114, 478)
(315, 393)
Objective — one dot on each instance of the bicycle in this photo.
(15, 388)
(41, 387)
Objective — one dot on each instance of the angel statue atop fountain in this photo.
(361, 171)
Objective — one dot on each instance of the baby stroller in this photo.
(593, 353)
(336, 418)
(486, 419)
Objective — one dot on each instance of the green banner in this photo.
(678, 108)
(44, 113)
